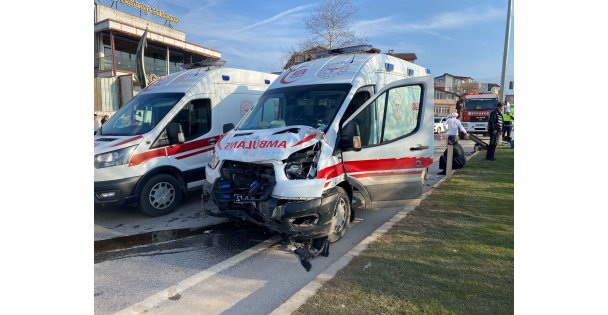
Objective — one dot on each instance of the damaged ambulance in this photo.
(350, 120)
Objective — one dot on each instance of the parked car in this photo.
(440, 125)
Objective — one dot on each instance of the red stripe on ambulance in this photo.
(128, 140)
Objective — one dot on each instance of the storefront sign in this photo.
(147, 9)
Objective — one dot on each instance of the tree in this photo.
(328, 28)
(328, 25)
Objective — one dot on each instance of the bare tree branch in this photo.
(328, 27)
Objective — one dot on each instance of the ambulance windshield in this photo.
(480, 104)
(140, 115)
(310, 105)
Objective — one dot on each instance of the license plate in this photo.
(243, 198)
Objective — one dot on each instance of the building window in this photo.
(176, 60)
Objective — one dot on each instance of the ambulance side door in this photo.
(196, 118)
(396, 140)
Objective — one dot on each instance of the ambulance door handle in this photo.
(212, 142)
(419, 147)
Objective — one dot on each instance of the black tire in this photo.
(341, 216)
(160, 195)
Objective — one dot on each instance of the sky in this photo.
(464, 38)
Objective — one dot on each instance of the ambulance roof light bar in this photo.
(343, 50)
(204, 63)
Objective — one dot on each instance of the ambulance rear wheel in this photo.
(161, 195)
(340, 220)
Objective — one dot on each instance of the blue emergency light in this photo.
(389, 66)
(428, 71)
(267, 81)
(225, 78)
(410, 71)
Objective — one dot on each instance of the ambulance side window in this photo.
(370, 121)
(402, 112)
(195, 118)
(358, 100)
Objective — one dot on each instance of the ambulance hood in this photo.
(267, 144)
(110, 143)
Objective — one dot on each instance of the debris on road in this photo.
(309, 250)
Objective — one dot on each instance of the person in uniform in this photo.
(494, 129)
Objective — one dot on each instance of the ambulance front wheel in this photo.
(161, 195)
(340, 216)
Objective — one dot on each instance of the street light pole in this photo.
(505, 56)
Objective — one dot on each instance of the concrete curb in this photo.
(300, 297)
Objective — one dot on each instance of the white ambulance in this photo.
(324, 129)
(155, 148)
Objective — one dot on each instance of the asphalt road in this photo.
(203, 267)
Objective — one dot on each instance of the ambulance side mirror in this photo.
(351, 137)
(175, 134)
(228, 127)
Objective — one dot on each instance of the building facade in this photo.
(116, 37)
(456, 84)
(445, 102)
(490, 87)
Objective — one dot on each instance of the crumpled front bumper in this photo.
(298, 219)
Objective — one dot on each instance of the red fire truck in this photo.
(474, 111)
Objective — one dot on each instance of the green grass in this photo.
(452, 255)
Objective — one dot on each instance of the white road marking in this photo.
(222, 293)
(162, 296)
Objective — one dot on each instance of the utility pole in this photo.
(505, 56)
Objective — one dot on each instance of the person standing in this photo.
(453, 126)
(104, 119)
(97, 125)
(508, 118)
(494, 129)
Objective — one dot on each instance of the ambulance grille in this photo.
(241, 185)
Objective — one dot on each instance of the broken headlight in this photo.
(214, 160)
(302, 164)
(300, 170)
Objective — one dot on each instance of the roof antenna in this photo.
(351, 61)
